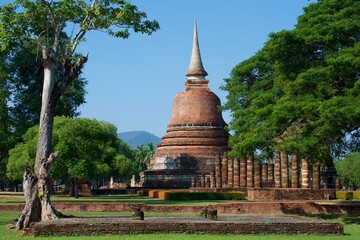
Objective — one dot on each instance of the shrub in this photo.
(340, 194)
(153, 193)
(356, 195)
(163, 195)
(349, 196)
(346, 195)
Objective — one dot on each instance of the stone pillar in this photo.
(271, 172)
(193, 183)
(138, 214)
(284, 170)
(207, 182)
(111, 182)
(257, 175)
(250, 170)
(212, 215)
(197, 183)
(304, 173)
(277, 171)
(236, 173)
(224, 172)
(218, 171)
(265, 172)
(294, 171)
(203, 181)
(230, 174)
(133, 181)
(316, 176)
(243, 175)
(212, 179)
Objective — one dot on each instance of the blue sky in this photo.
(132, 82)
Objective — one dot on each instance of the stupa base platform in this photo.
(91, 226)
(275, 194)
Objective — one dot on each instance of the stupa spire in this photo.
(196, 68)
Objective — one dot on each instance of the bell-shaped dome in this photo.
(196, 107)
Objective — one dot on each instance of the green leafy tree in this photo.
(44, 22)
(25, 78)
(22, 155)
(89, 150)
(349, 170)
(300, 92)
(143, 155)
(6, 137)
(21, 73)
(123, 167)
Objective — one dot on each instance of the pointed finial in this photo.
(196, 68)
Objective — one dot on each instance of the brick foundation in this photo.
(180, 225)
(269, 194)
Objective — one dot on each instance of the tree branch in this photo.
(51, 159)
(81, 33)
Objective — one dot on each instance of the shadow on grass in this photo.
(352, 220)
(348, 219)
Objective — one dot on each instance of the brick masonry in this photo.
(269, 194)
(188, 225)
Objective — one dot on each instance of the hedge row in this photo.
(348, 195)
(142, 193)
(356, 195)
(184, 196)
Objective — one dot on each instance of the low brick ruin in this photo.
(93, 226)
(242, 207)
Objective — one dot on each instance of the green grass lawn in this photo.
(119, 198)
(351, 223)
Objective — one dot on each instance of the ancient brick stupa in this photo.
(195, 135)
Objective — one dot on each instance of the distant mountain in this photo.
(135, 138)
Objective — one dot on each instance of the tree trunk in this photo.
(37, 185)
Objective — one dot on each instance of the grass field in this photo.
(12, 198)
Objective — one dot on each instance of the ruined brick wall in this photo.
(97, 227)
(281, 207)
(268, 194)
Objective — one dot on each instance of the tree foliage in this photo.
(6, 136)
(300, 92)
(143, 155)
(349, 170)
(25, 78)
(89, 150)
(21, 155)
(21, 85)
